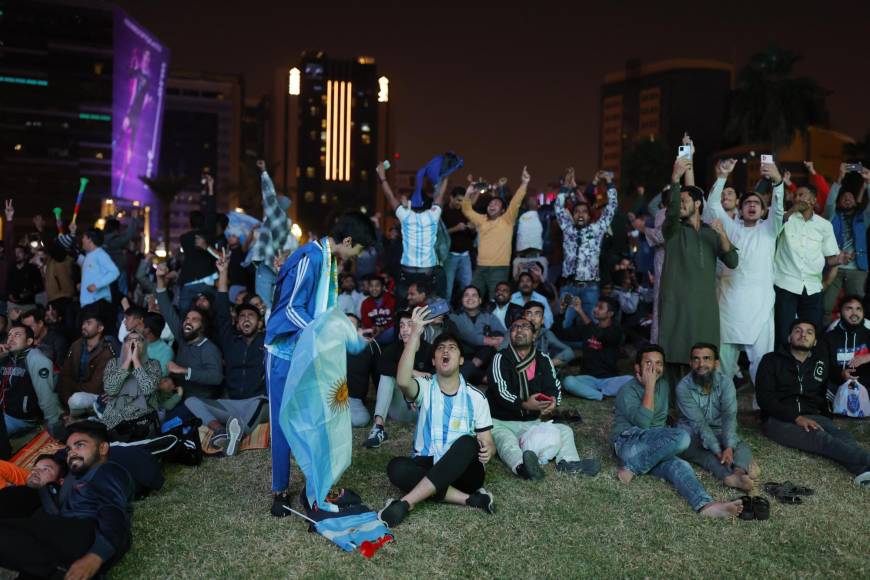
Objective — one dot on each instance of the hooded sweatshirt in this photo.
(787, 388)
(843, 343)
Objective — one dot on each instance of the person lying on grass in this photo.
(453, 439)
(643, 442)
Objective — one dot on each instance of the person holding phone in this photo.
(523, 389)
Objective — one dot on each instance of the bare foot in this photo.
(722, 509)
(625, 475)
(739, 481)
(754, 470)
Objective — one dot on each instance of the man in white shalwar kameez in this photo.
(746, 295)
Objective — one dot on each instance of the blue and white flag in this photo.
(315, 411)
(364, 532)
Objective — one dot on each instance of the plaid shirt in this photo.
(582, 246)
(276, 226)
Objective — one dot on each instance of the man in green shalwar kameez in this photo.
(689, 309)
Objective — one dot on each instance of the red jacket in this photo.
(379, 313)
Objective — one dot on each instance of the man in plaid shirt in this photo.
(274, 236)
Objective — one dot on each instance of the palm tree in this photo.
(770, 104)
(166, 187)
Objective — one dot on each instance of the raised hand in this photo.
(502, 181)
(681, 165)
(419, 320)
(770, 171)
(525, 177)
(10, 210)
(725, 167)
(382, 173)
(223, 263)
(810, 167)
(865, 173)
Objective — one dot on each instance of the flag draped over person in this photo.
(315, 410)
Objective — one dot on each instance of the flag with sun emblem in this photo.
(315, 411)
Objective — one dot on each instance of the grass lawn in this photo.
(213, 522)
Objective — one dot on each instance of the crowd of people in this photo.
(482, 308)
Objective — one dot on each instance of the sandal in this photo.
(748, 512)
(782, 493)
(567, 416)
(793, 489)
(761, 508)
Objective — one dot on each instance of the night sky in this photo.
(511, 85)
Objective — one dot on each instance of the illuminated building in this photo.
(330, 122)
(659, 101)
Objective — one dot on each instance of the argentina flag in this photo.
(315, 411)
(363, 532)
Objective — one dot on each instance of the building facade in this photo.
(660, 101)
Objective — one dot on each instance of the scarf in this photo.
(521, 366)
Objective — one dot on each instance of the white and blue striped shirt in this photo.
(419, 232)
(445, 418)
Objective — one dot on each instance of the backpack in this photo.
(852, 400)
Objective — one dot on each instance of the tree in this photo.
(859, 151)
(166, 187)
(770, 104)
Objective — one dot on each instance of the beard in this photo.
(189, 335)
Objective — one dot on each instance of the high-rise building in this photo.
(330, 128)
(202, 129)
(660, 101)
(81, 96)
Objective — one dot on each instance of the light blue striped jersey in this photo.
(419, 232)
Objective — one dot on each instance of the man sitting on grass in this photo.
(643, 442)
(453, 441)
(708, 407)
(86, 527)
(523, 389)
(792, 391)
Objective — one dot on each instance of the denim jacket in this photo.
(713, 416)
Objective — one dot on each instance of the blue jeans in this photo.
(655, 451)
(277, 370)
(14, 425)
(264, 284)
(593, 388)
(588, 295)
(457, 268)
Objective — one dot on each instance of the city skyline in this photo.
(520, 85)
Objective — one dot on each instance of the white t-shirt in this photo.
(530, 231)
(445, 418)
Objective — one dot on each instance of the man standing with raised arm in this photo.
(495, 235)
(746, 295)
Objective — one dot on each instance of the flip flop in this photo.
(789, 487)
(748, 512)
(761, 508)
(782, 493)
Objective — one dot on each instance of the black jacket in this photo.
(843, 343)
(506, 394)
(786, 388)
(244, 363)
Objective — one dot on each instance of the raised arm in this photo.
(672, 217)
(471, 195)
(170, 314)
(606, 218)
(405, 371)
(690, 172)
(513, 209)
(439, 192)
(222, 302)
(385, 185)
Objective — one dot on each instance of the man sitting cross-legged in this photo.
(523, 388)
(792, 391)
(708, 408)
(644, 444)
(453, 441)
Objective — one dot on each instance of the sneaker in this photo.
(483, 500)
(281, 505)
(530, 468)
(219, 441)
(394, 512)
(585, 466)
(234, 428)
(863, 480)
(376, 436)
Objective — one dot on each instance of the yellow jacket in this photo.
(495, 236)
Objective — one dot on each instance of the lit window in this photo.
(366, 139)
(324, 199)
(310, 172)
(365, 128)
(309, 196)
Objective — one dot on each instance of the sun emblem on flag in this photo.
(339, 395)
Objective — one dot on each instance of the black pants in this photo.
(18, 501)
(459, 467)
(805, 306)
(835, 444)
(43, 545)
